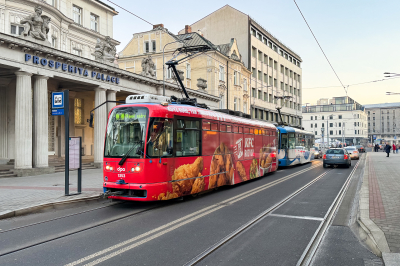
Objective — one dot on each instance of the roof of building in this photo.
(104, 4)
(381, 105)
(196, 42)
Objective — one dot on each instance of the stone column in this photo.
(111, 96)
(23, 121)
(100, 122)
(40, 122)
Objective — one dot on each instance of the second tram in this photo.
(296, 146)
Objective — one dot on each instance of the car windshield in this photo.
(359, 146)
(350, 149)
(335, 151)
(125, 131)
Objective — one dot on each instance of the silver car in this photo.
(337, 156)
(352, 150)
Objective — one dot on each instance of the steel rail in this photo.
(251, 223)
(313, 245)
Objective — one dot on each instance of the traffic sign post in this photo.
(60, 106)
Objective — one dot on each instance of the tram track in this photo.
(309, 252)
(129, 215)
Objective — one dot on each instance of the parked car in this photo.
(317, 153)
(336, 156)
(360, 148)
(352, 150)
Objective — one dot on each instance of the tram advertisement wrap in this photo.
(227, 165)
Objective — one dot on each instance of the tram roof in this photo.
(294, 130)
(157, 110)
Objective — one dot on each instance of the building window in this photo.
(153, 44)
(253, 72)
(253, 92)
(235, 104)
(221, 102)
(77, 14)
(77, 52)
(17, 30)
(253, 52)
(259, 75)
(312, 118)
(245, 108)
(265, 78)
(275, 83)
(316, 125)
(169, 73)
(221, 73)
(94, 22)
(330, 124)
(270, 98)
(259, 94)
(53, 3)
(311, 125)
(188, 71)
(265, 59)
(275, 65)
(245, 84)
(260, 56)
(53, 42)
(78, 111)
(265, 96)
(235, 78)
(330, 132)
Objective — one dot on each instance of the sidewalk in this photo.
(18, 193)
(380, 204)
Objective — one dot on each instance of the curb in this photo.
(48, 206)
(371, 234)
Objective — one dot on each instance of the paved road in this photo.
(173, 233)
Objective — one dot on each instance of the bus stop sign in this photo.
(57, 103)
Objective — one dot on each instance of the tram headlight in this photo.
(137, 168)
(111, 168)
(133, 169)
(107, 167)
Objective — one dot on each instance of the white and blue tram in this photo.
(296, 146)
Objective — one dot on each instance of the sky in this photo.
(359, 37)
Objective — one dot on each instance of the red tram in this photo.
(155, 150)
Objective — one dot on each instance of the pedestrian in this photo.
(387, 149)
(394, 148)
(340, 145)
(376, 147)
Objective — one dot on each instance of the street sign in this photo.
(395, 137)
(57, 103)
(57, 100)
(57, 111)
(374, 136)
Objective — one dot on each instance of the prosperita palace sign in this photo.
(70, 69)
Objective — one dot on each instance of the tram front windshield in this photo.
(126, 132)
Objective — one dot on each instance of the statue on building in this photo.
(105, 51)
(148, 67)
(202, 83)
(36, 26)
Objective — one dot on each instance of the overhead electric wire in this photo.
(319, 45)
(130, 12)
(372, 81)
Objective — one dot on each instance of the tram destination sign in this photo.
(71, 69)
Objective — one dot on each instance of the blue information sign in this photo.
(57, 100)
(374, 136)
(57, 111)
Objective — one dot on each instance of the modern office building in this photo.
(340, 119)
(276, 69)
(48, 46)
(383, 122)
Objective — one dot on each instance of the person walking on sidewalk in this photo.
(387, 149)
(394, 148)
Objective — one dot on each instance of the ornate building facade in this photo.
(220, 72)
(48, 46)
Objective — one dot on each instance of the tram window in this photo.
(284, 141)
(214, 126)
(223, 128)
(206, 125)
(240, 129)
(160, 138)
(292, 141)
(251, 131)
(235, 129)
(246, 130)
(256, 131)
(188, 138)
(228, 128)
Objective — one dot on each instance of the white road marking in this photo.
(297, 217)
(179, 223)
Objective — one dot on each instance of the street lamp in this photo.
(185, 39)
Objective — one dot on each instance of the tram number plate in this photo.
(121, 175)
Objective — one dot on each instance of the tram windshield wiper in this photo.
(123, 159)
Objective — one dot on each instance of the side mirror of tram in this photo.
(91, 120)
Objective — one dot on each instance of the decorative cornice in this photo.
(38, 49)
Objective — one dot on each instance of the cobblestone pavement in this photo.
(384, 191)
(22, 192)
